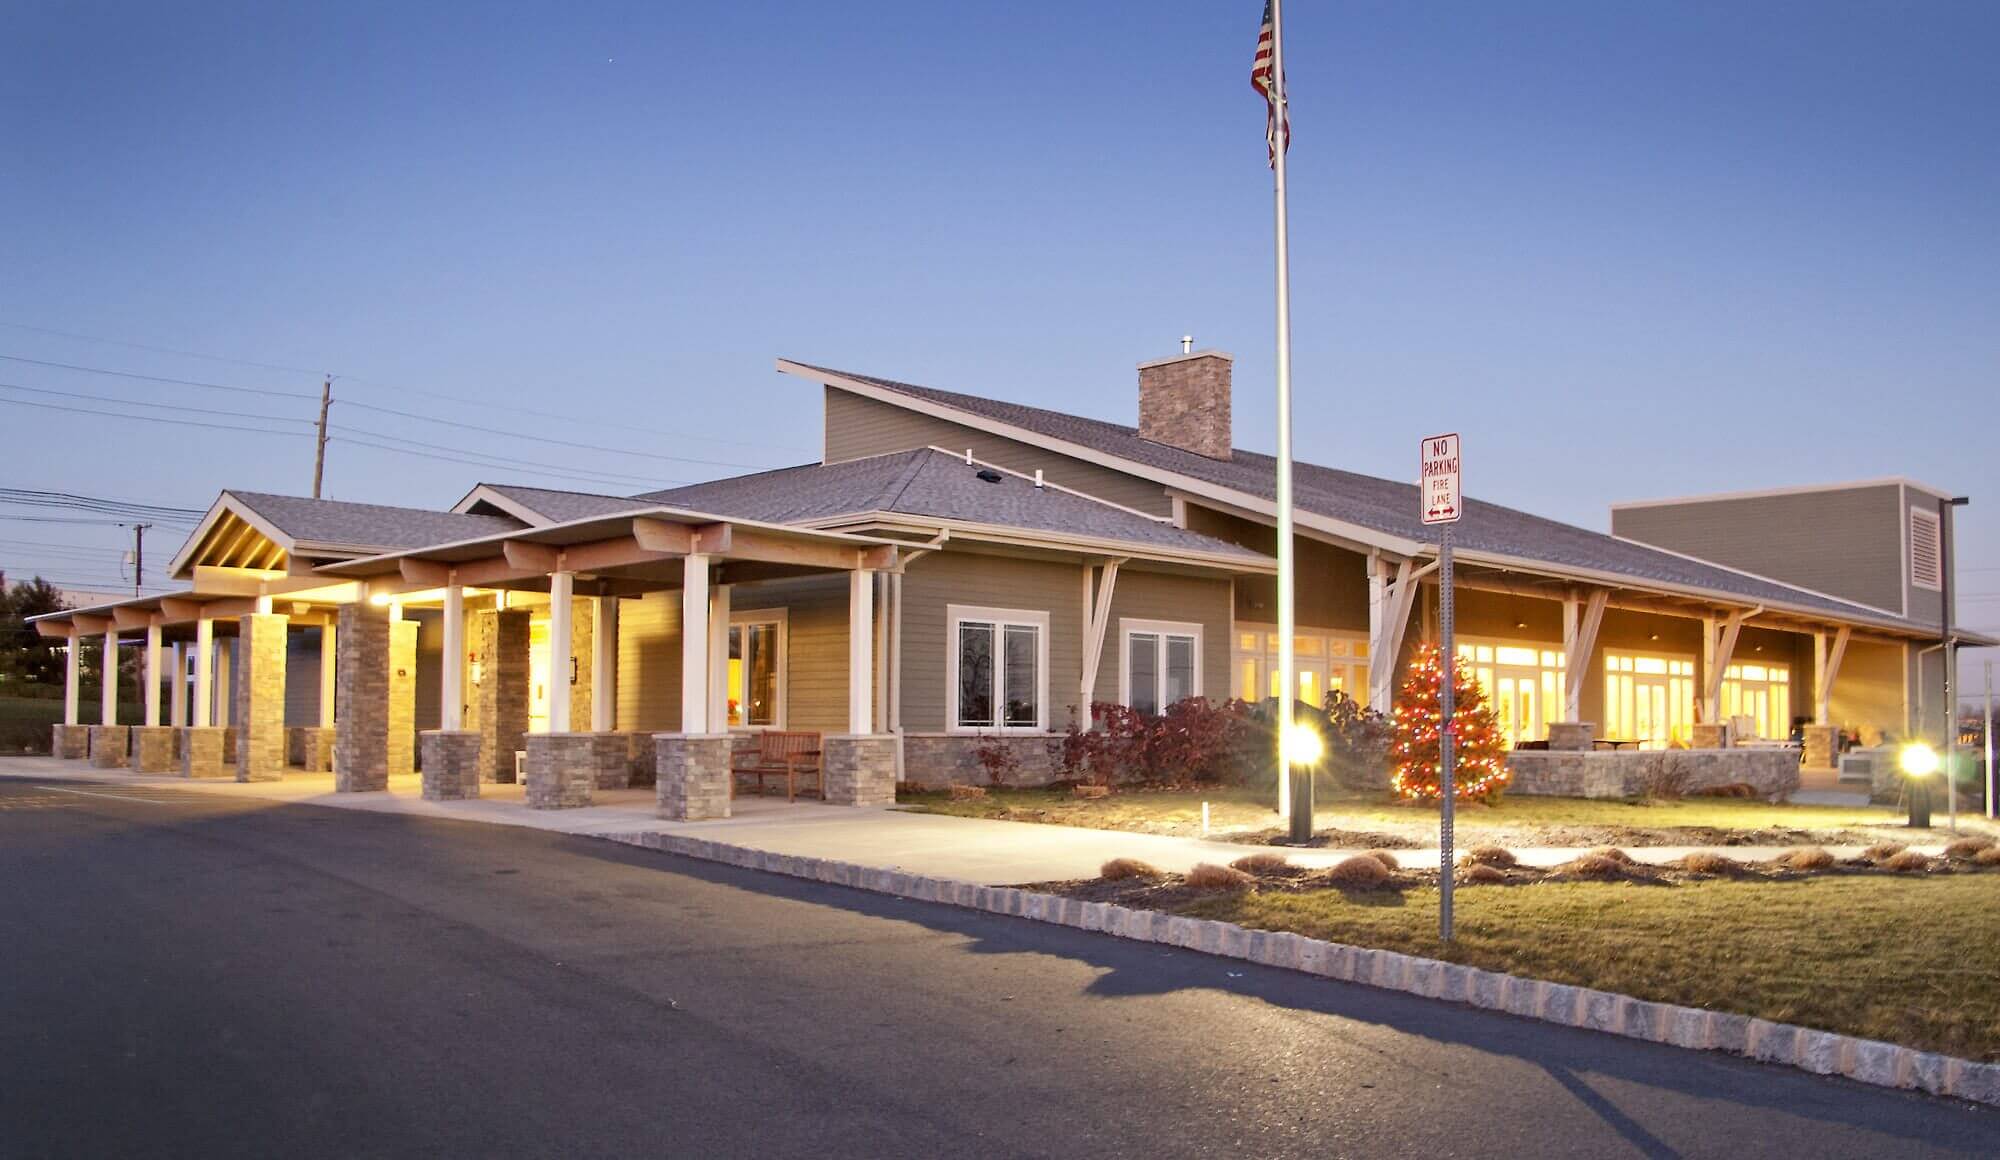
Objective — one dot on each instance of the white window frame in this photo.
(1930, 518)
(742, 616)
(1127, 628)
(1000, 618)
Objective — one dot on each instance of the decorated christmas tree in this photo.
(1479, 768)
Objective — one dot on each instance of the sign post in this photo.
(1440, 500)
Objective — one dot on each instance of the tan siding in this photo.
(815, 645)
(1868, 691)
(953, 577)
(1153, 596)
(1333, 582)
(1845, 542)
(301, 676)
(857, 427)
(649, 663)
(430, 668)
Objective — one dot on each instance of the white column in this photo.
(72, 676)
(204, 681)
(1709, 705)
(153, 672)
(562, 589)
(881, 582)
(264, 606)
(329, 648)
(177, 696)
(604, 664)
(1821, 710)
(694, 645)
(718, 657)
(110, 678)
(861, 650)
(451, 705)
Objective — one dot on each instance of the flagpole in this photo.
(1287, 636)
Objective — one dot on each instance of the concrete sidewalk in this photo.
(991, 853)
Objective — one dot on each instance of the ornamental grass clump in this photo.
(1499, 857)
(1883, 851)
(1968, 848)
(1480, 874)
(1805, 858)
(1360, 872)
(1263, 862)
(1990, 856)
(1613, 853)
(1596, 866)
(1709, 862)
(1906, 862)
(1387, 860)
(1209, 876)
(1119, 869)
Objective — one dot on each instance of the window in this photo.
(1325, 663)
(756, 679)
(1162, 663)
(1648, 699)
(1761, 692)
(1523, 684)
(999, 669)
(1926, 550)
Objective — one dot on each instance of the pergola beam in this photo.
(1826, 668)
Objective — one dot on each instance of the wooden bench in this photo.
(791, 755)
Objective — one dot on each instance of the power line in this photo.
(150, 418)
(503, 461)
(29, 497)
(547, 438)
(156, 378)
(156, 349)
(156, 406)
(515, 465)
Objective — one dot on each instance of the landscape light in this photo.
(1917, 759)
(1302, 744)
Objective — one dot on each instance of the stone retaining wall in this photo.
(952, 758)
(1631, 773)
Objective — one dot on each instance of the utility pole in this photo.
(1945, 514)
(319, 449)
(138, 556)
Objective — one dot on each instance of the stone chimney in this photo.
(1184, 402)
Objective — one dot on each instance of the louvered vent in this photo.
(1926, 550)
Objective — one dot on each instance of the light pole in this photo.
(1918, 762)
(1945, 513)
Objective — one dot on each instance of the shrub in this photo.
(997, 759)
(1194, 740)
(1387, 859)
(1709, 862)
(1613, 853)
(1883, 851)
(1357, 743)
(1499, 857)
(1596, 866)
(1805, 858)
(1360, 871)
(1262, 862)
(1906, 862)
(1480, 874)
(1968, 847)
(1119, 869)
(1990, 856)
(1209, 876)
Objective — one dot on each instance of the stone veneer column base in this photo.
(153, 748)
(1711, 736)
(1820, 741)
(561, 769)
(1572, 735)
(316, 748)
(693, 775)
(71, 742)
(201, 752)
(860, 769)
(451, 764)
(109, 746)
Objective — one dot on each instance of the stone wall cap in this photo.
(420, 732)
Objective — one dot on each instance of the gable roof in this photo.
(932, 485)
(280, 526)
(541, 505)
(1375, 510)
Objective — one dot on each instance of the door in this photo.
(538, 676)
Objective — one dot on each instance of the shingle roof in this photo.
(366, 525)
(930, 483)
(1388, 506)
(563, 506)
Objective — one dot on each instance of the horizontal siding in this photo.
(649, 663)
(815, 646)
(1155, 596)
(1332, 582)
(857, 427)
(954, 577)
(1845, 542)
(1869, 690)
(430, 668)
(301, 677)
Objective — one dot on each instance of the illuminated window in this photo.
(756, 677)
(1523, 684)
(1648, 699)
(1325, 662)
(1762, 693)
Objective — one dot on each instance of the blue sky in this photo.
(1628, 250)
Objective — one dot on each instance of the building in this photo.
(959, 571)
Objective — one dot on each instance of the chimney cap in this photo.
(1224, 355)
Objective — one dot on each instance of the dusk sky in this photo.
(1627, 250)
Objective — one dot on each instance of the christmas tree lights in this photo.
(1479, 768)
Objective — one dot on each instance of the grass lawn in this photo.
(1239, 815)
(1910, 960)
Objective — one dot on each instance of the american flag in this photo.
(1264, 78)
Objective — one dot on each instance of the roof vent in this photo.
(988, 474)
